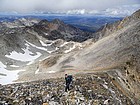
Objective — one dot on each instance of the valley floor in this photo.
(86, 89)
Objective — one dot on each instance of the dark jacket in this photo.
(68, 79)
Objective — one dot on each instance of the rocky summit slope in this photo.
(89, 89)
(49, 49)
(117, 52)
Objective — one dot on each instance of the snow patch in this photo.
(23, 57)
(71, 48)
(31, 62)
(53, 50)
(64, 44)
(37, 71)
(14, 66)
(10, 75)
(41, 48)
(50, 43)
(43, 44)
(44, 58)
(51, 71)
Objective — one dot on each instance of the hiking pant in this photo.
(67, 87)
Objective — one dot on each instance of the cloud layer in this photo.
(30, 6)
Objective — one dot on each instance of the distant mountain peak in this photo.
(43, 22)
(57, 21)
(57, 29)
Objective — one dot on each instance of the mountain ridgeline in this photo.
(57, 29)
(49, 49)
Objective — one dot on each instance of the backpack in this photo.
(70, 78)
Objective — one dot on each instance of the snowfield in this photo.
(23, 57)
(26, 56)
(10, 75)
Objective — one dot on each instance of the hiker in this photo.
(68, 79)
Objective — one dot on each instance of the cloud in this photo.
(123, 10)
(53, 5)
(69, 6)
(119, 11)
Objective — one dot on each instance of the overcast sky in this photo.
(30, 6)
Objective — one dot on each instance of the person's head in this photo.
(66, 75)
(108, 101)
